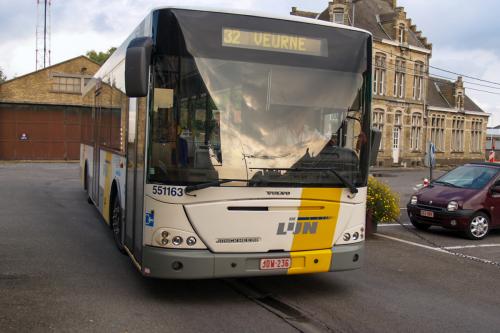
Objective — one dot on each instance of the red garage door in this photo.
(33, 132)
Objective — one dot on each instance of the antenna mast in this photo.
(43, 33)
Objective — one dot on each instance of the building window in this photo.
(437, 131)
(418, 81)
(66, 84)
(379, 74)
(416, 129)
(338, 15)
(460, 101)
(378, 123)
(399, 78)
(72, 84)
(401, 33)
(397, 119)
(457, 134)
(396, 134)
(476, 135)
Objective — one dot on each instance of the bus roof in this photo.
(291, 18)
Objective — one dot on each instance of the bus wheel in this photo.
(117, 225)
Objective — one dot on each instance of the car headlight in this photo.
(452, 206)
(414, 200)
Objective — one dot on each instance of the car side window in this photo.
(496, 184)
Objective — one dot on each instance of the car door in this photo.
(493, 203)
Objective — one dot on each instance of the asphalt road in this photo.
(59, 271)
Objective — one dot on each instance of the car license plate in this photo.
(282, 263)
(426, 213)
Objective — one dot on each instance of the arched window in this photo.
(416, 130)
(476, 135)
(457, 134)
(437, 124)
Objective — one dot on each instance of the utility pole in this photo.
(43, 34)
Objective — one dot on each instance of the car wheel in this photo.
(419, 225)
(478, 227)
(116, 225)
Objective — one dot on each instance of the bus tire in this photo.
(117, 225)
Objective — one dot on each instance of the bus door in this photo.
(135, 177)
(94, 188)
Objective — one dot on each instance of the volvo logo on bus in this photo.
(277, 193)
(297, 228)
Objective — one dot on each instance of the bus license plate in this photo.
(282, 263)
(426, 213)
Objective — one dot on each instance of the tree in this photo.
(3, 78)
(100, 57)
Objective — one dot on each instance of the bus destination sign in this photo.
(270, 41)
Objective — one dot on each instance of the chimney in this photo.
(394, 4)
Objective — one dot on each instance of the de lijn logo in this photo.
(303, 225)
(297, 228)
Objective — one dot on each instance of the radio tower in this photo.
(42, 33)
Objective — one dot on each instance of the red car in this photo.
(467, 199)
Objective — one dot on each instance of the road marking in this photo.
(470, 246)
(412, 243)
(437, 249)
(393, 224)
(403, 208)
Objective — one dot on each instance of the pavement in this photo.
(60, 271)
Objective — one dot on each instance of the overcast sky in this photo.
(464, 33)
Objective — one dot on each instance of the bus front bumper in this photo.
(203, 264)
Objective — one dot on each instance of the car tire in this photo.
(478, 226)
(419, 225)
(117, 225)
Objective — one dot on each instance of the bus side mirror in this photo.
(376, 137)
(137, 61)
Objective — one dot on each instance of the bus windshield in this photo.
(266, 122)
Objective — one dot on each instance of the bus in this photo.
(232, 144)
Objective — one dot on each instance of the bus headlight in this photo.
(355, 236)
(177, 240)
(191, 241)
(347, 237)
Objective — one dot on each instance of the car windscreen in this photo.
(468, 176)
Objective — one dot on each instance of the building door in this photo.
(396, 139)
(39, 132)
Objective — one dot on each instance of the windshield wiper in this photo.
(343, 180)
(446, 183)
(192, 188)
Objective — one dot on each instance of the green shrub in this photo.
(382, 202)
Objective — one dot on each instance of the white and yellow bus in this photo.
(226, 144)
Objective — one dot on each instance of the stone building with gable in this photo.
(41, 113)
(410, 107)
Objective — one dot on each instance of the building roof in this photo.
(50, 67)
(440, 94)
(372, 15)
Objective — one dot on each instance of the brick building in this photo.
(410, 107)
(41, 112)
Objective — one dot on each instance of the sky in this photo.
(463, 33)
